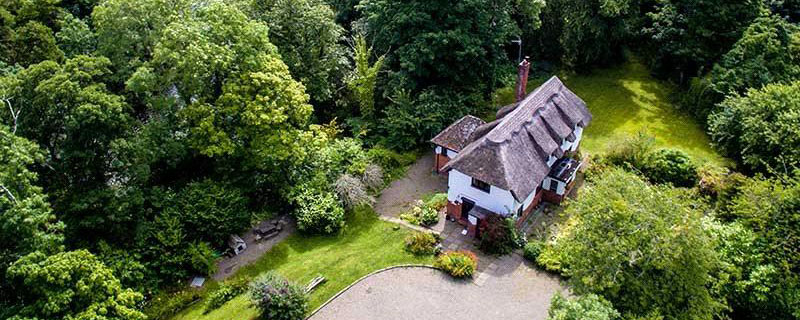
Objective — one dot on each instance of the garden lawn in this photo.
(625, 100)
(367, 244)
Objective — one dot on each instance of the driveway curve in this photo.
(424, 293)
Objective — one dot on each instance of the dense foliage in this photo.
(277, 298)
(584, 307)
(499, 236)
(761, 127)
(640, 246)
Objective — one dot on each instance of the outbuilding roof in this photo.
(457, 135)
(512, 154)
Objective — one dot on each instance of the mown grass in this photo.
(625, 100)
(367, 244)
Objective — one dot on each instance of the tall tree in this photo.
(72, 285)
(26, 221)
(687, 36)
(761, 128)
(68, 110)
(309, 41)
(458, 45)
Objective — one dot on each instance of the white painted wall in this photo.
(497, 200)
(560, 189)
(450, 153)
(578, 135)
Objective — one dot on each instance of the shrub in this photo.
(459, 264)
(422, 243)
(278, 299)
(351, 191)
(589, 306)
(670, 166)
(318, 211)
(223, 294)
(499, 236)
(532, 250)
(421, 214)
(633, 150)
(390, 159)
(373, 176)
(166, 305)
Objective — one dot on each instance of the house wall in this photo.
(497, 200)
(440, 160)
(548, 181)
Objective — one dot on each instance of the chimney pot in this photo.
(522, 79)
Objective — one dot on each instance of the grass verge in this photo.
(367, 244)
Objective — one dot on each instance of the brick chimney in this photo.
(522, 79)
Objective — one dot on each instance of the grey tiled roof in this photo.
(512, 154)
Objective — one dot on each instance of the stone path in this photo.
(424, 293)
(419, 180)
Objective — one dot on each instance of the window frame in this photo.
(481, 185)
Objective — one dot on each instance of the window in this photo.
(443, 151)
(553, 185)
(480, 185)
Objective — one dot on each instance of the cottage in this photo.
(508, 166)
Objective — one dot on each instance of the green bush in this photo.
(223, 294)
(278, 299)
(166, 305)
(532, 250)
(459, 264)
(318, 212)
(584, 307)
(390, 159)
(422, 243)
(421, 214)
(671, 166)
(499, 236)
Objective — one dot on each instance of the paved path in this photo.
(423, 293)
(255, 249)
(399, 197)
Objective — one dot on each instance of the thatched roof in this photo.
(512, 154)
(457, 135)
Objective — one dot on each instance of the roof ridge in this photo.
(554, 80)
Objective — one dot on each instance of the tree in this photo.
(309, 42)
(687, 36)
(768, 52)
(212, 210)
(238, 98)
(641, 247)
(68, 110)
(26, 221)
(128, 30)
(761, 246)
(761, 127)
(593, 31)
(74, 36)
(364, 77)
(72, 285)
(459, 45)
(33, 43)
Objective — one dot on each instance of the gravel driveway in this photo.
(423, 293)
(419, 180)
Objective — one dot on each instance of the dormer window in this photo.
(480, 185)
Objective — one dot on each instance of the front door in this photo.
(466, 207)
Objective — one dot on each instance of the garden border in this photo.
(365, 277)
